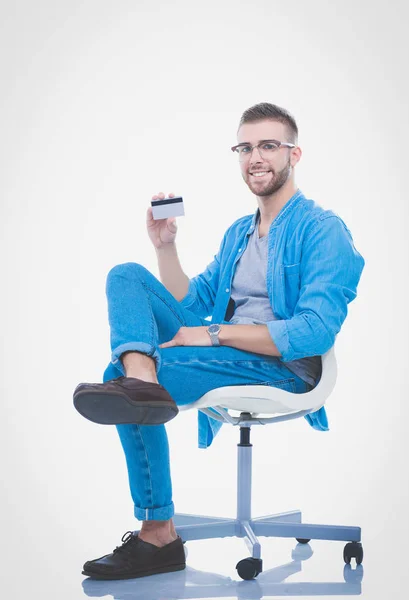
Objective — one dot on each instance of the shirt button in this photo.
(227, 290)
(239, 249)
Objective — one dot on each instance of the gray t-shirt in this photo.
(252, 304)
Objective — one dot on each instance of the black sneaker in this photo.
(136, 558)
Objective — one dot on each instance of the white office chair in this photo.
(252, 401)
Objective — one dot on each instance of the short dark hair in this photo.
(265, 111)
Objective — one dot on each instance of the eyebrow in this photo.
(259, 142)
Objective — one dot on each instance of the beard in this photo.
(277, 182)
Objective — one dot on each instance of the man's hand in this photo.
(162, 232)
(189, 336)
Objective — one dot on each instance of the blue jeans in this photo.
(143, 314)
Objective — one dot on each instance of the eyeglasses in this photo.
(266, 148)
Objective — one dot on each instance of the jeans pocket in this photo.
(287, 385)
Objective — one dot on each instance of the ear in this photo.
(295, 155)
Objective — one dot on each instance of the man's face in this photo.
(278, 164)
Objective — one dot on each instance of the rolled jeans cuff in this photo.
(162, 513)
(147, 349)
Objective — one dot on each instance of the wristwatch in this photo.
(213, 331)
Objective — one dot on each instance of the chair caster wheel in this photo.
(302, 541)
(353, 550)
(249, 568)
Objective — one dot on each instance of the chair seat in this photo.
(262, 399)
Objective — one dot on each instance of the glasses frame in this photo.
(277, 142)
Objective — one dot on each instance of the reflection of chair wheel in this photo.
(353, 575)
(302, 552)
(353, 550)
(249, 568)
(302, 541)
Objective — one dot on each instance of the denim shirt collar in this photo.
(284, 212)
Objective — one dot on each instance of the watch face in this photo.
(214, 328)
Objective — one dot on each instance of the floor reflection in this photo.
(192, 583)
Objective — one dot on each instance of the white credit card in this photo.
(169, 207)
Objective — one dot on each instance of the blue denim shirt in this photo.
(313, 268)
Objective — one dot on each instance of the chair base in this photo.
(286, 525)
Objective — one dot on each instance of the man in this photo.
(277, 292)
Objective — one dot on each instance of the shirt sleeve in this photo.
(330, 270)
(201, 294)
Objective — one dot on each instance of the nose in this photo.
(255, 158)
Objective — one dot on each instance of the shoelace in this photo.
(127, 541)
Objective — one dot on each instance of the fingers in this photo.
(161, 196)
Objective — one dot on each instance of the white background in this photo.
(105, 103)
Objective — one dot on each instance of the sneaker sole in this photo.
(156, 571)
(108, 408)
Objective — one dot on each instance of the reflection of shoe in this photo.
(125, 400)
(136, 558)
(162, 585)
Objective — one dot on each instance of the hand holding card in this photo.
(161, 221)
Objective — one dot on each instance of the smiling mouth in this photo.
(259, 174)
